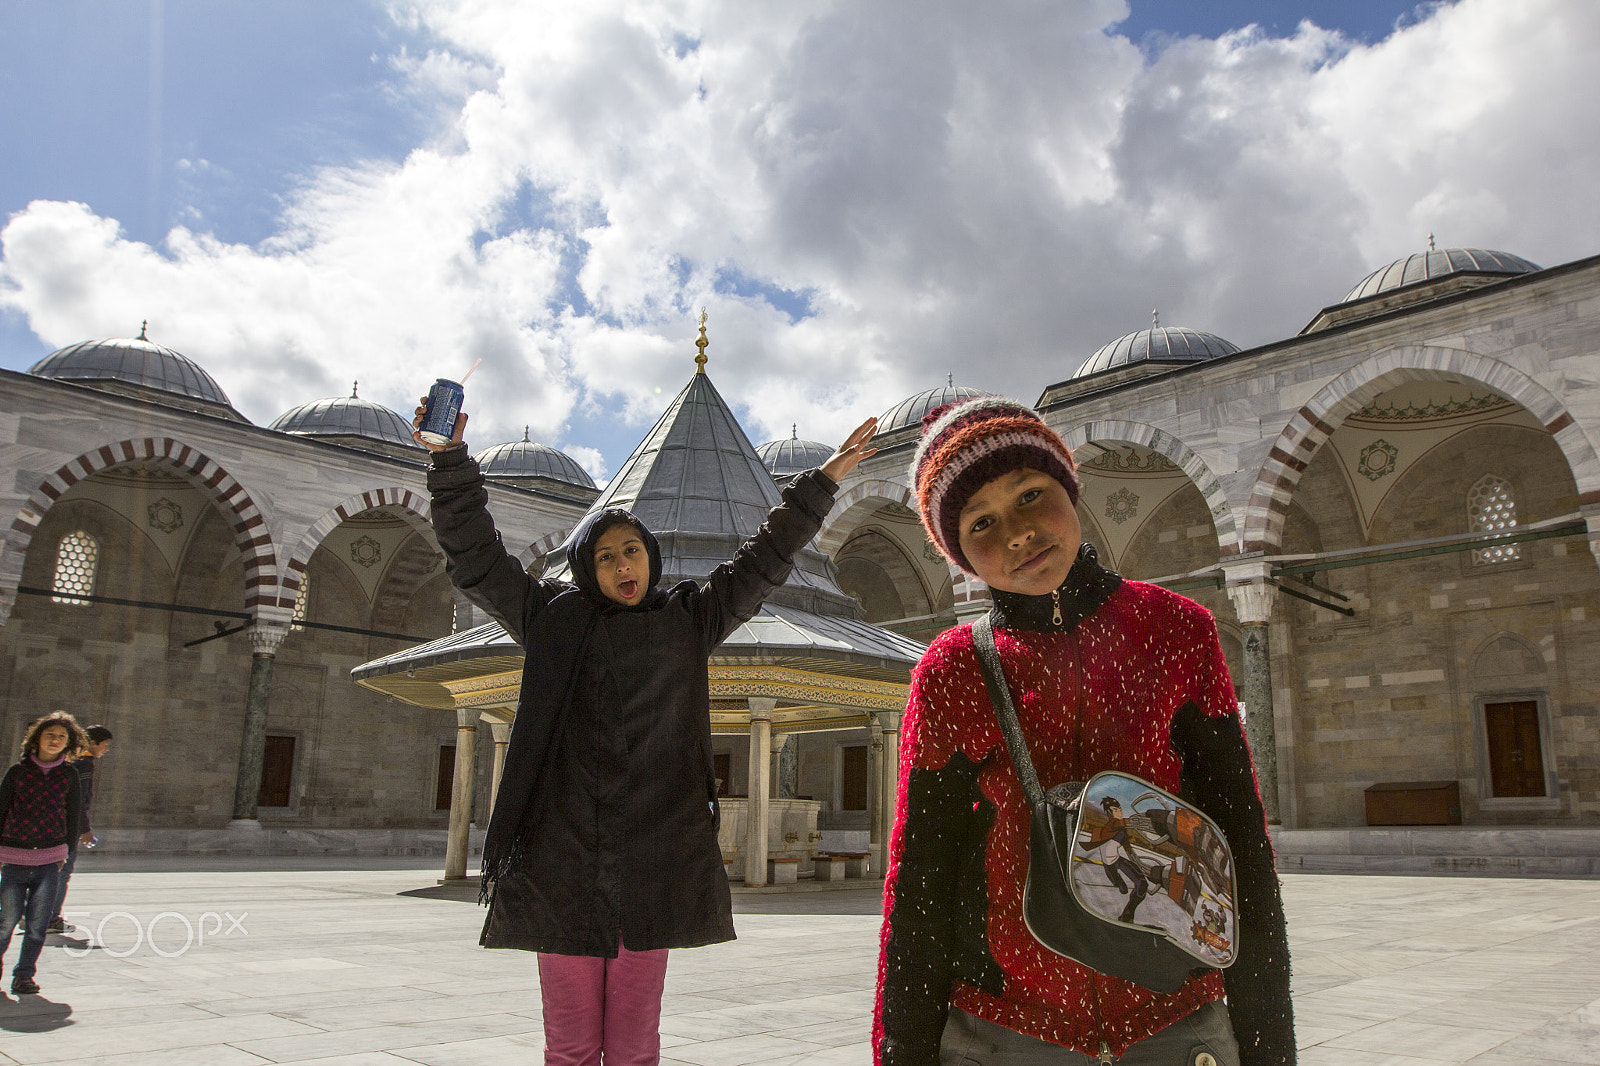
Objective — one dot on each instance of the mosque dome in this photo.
(1158, 344)
(909, 412)
(529, 459)
(785, 458)
(1438, 263)
(348, 419)
(133, 365)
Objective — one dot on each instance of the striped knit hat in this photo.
(964, 446)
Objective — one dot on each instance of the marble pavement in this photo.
(364, 962)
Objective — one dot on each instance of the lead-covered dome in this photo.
(909, 412)
(350, 420)
(529, 459)
(786, 458)
(138, 367)
(1438, 263)
(1158, 344)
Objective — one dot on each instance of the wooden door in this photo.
(277, 772)
(853, 778)
(1516, 763)
(447, 777)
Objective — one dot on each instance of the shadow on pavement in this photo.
(33, 1014)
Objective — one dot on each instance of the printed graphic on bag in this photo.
(1144, 859)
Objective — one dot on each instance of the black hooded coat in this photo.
(605, 824)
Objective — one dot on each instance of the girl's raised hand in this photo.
(852, 451)
(416, 422)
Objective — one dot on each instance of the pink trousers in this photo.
(603, 1010)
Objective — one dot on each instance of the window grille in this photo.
(1491, 508)
(302, 601)
(77, 558)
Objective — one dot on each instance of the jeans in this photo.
(27, 891)
(66, 877)
(1204, 1038)
(609, 1007)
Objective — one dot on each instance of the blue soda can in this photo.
(439, 417)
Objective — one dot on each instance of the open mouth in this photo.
(627, 589)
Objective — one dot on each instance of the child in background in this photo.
(39, 814)
(1106, 674)
(602, 851)
(99, 741)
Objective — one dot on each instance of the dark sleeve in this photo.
(8, 789)
(477, 560)
(734, 591)
(74, 809)
(933, 834)
(86, 792)
(1219, 778)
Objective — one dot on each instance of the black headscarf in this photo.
(557, 638)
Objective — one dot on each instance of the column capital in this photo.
(761, 708)
(776, 741)
(266, 637)
(467, 718)
(501, 731)
(1250, 587)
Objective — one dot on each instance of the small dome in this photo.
(785, 458)
(909, 412)
(347, 416)
(525, 458)
(133, 361)
(1160, 344)
(1426, 266)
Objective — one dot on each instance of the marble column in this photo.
(265, 639)
(877, 839)
(888, 786)
(501, 731)
(1253, 595)
(463, 786)
(755, 828)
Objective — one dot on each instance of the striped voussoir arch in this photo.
(249, 526)
(836, 527)
(1316, 421)
(1163, 443)
(412, 506)
(543, 546)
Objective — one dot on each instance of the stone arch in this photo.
(847, 510)
(414, 509)
(1316, 421)
(1157, 440)
(250, 534)
(1506, 655)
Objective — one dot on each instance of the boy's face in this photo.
(622, 564)
(100, 748)
(1020, 532)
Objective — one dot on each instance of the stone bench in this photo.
(855, 862)
(831, 867)
(783, 871)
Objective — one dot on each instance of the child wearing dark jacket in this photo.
(39, 813)
(602, 851)
(1106, 674)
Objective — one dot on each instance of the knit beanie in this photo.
(967, 444)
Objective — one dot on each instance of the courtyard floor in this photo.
(368, 963)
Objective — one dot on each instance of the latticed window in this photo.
(76, 561)
(303, 600)
(1491, 508)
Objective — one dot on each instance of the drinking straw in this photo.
(468, 374)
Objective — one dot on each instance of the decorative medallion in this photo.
(932, 554)
(1378, 459)
(364, 551)
(1122, 505)
(165, 515)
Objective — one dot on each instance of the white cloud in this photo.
(987, 191)
(592, 462)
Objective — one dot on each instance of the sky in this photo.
(865, 198)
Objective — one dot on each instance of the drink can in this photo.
(439, 416)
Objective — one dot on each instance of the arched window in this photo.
(302, 601)
(77, 558)
(1491, 508)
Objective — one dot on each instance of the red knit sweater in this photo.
(1099, 697)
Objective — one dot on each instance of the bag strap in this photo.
(994, 678)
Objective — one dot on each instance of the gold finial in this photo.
(700, 360)
(142, 327)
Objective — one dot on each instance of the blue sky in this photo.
(300, 193)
